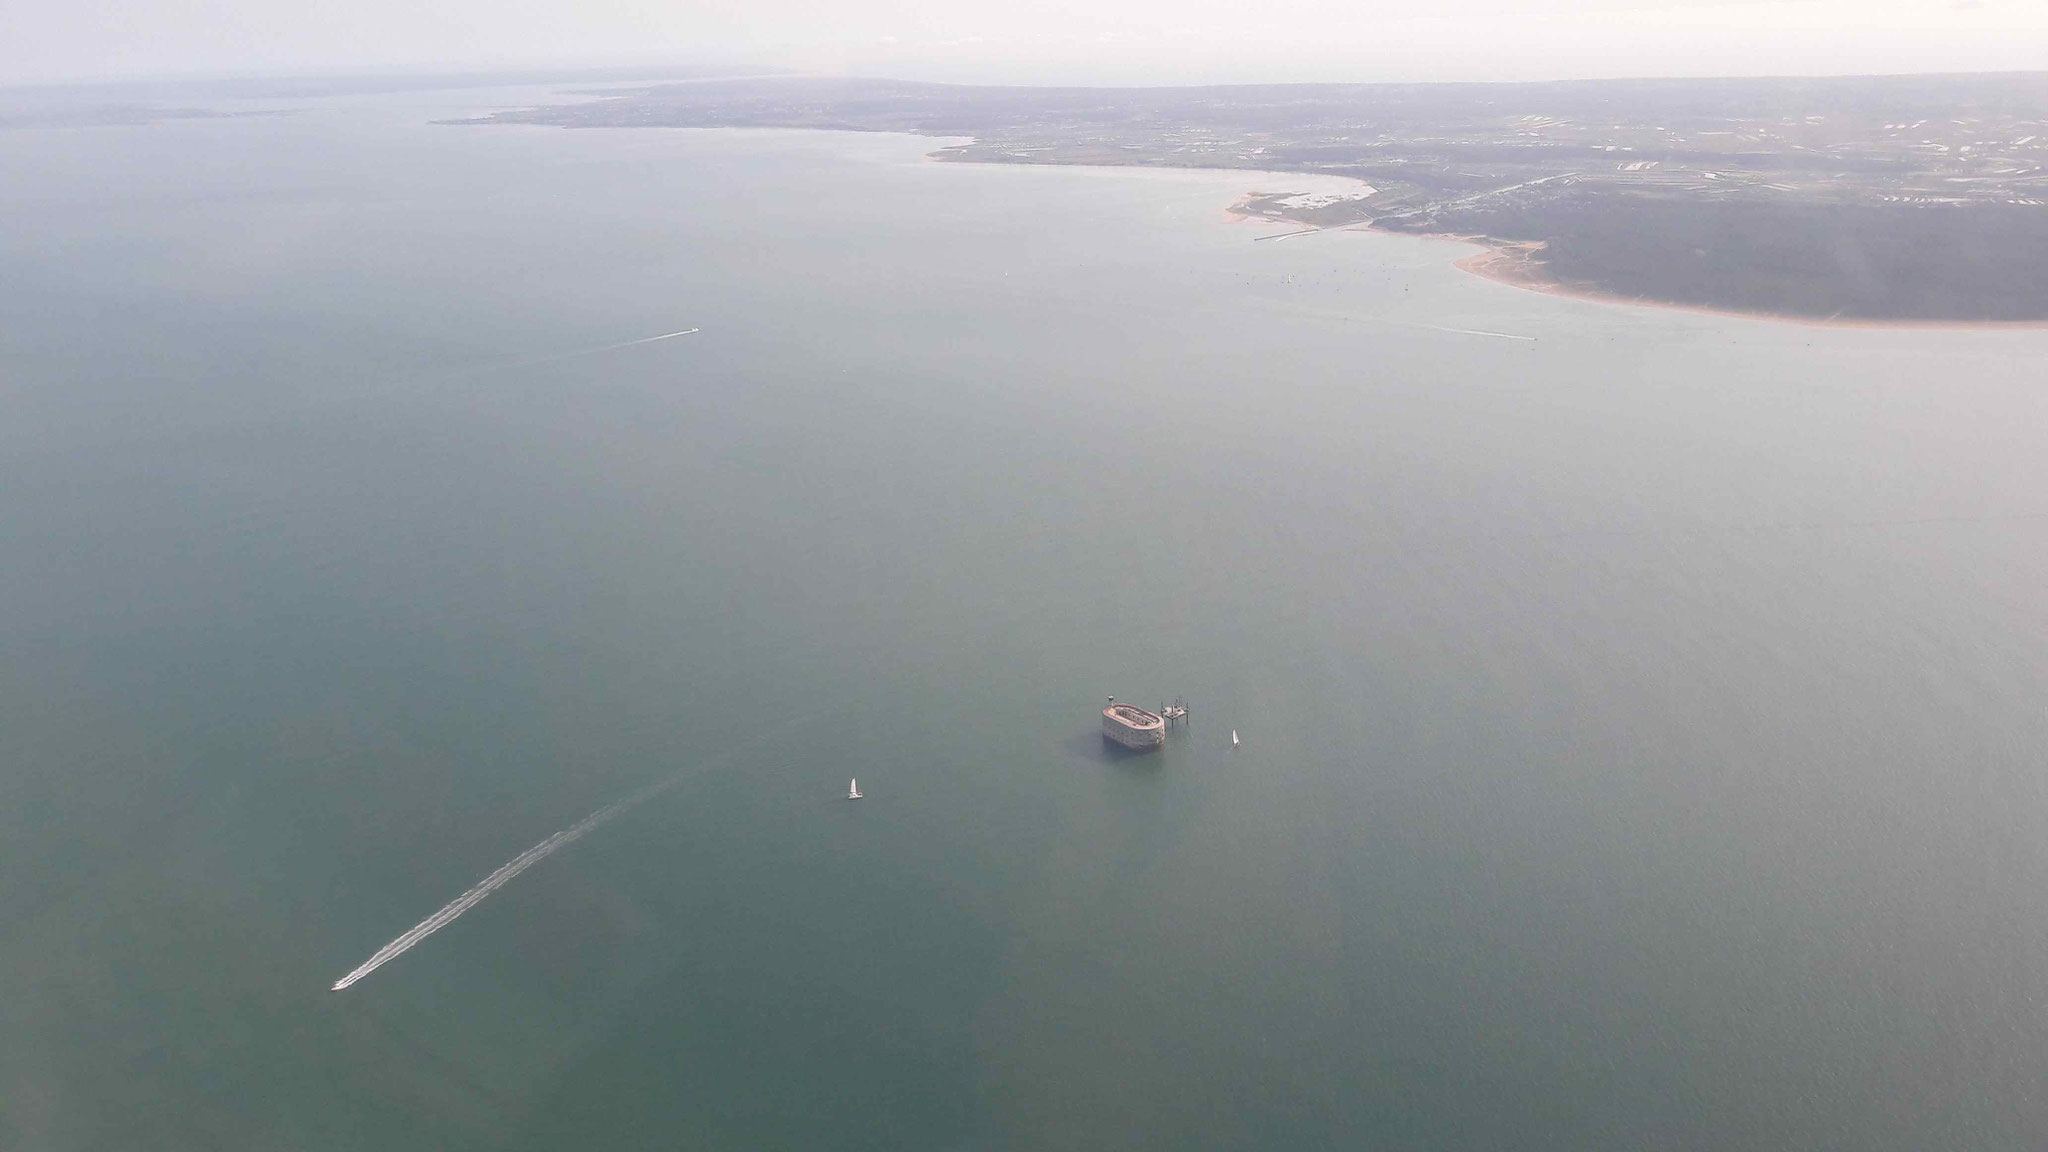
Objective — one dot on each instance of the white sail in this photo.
(853, 789)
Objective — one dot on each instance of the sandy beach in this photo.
(1511, 262)
(1515, 263)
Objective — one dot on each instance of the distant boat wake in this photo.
(1329, 314)
(510, 870)
(498, 879)
(1454, 331)
(481, 889)
(574, 353)
(1420, 326)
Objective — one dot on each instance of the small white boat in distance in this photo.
(1233, 737)
(853, 789)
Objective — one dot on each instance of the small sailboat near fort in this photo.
(1233, 737)
(853, 789)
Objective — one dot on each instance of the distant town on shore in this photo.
(1877, 199)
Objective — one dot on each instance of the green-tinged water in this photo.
(1643, 724)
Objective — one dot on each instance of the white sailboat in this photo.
(853, 789)
(1233, 737)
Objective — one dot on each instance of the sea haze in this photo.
(1641, 710)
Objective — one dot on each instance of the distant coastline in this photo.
(1901, 201)
(1516, 263)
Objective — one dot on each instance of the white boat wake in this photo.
(503, 876)
(483, 888)
(1452, 331)
(506, 872)
(630, 343)
(1330, 314)
(574, 353)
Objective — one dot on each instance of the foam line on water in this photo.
(1331, 314)
(482, 888)
(1420, 326)
(509, 870)
(574, 353)
(1464, 331)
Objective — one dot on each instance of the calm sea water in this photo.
(1643, 724)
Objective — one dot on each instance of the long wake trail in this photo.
(551, 357)
(504, 875)
(1331, 314)
(510, 870)
(482, 888)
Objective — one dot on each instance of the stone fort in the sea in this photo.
(1132, 726)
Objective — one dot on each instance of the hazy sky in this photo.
(1100, 41)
